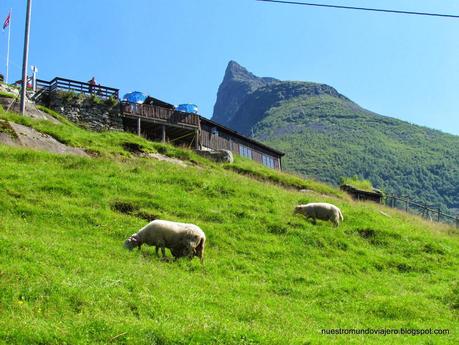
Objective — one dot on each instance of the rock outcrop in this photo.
(237, 84)
(89, 111)
(243, 98)
(219, 156)
(14, 134)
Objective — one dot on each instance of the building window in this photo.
(268, 161)
(244, 151)
(214, 131)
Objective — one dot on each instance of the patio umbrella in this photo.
(134, 97)
(188, 108)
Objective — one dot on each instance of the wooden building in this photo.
(357, 194)
(158, 120)
(216, 137)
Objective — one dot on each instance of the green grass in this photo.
(6, 128)
(269, 277)
(7, 95)
(245, 166)
(355, 182)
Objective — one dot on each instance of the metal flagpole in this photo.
(26, 56)
(8, 49)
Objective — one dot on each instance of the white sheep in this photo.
(320, 210)
(182, 239)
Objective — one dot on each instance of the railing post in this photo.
(197, 140)
(139, 130)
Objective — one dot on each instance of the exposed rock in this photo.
(9, 89)
(13, 134)
(164, 158)
(13, 104)
(220, 156)
(237, 84)
(89, 111)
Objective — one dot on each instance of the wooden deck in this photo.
(160, 115)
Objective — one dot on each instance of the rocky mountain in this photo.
(327, 136)
(236, 85)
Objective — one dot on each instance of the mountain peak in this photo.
(236, 71)
(237, 84)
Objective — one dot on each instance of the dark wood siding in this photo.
(217, 138)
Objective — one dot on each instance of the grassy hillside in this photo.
(269, 277)
(328, 138)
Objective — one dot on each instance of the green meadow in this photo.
(268, 277)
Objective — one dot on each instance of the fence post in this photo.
(439, 214)
(457, 221)
(406, 204)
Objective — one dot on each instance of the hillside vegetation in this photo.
(332, 138)
(326, 136)
(269, 277)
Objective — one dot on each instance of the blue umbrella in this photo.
(134, 97)
(188, 108)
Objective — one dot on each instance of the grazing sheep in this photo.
(182, 239)
(320, 210)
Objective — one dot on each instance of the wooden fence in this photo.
(77, 86)
(427, 211)
(159, 113)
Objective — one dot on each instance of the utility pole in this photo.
(26, 56)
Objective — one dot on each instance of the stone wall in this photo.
(89, 111)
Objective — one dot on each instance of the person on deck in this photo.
(92, 83)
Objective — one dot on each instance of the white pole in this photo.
(8, 49)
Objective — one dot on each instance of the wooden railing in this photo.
(43, 84)
(77, 86)
(159, 113)
(424, 210)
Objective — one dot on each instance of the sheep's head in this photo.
(297, 209)
(132, 242)
(182, 249)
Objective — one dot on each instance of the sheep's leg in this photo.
(157, 250)
(163, 251)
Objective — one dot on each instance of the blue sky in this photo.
(177, 50)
